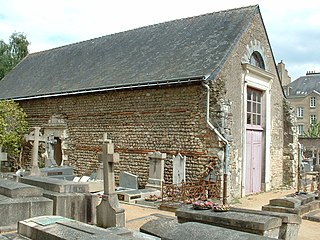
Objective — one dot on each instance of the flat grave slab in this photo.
(14, 189)
(253, 223)
(56, 185)
(57, 227)
(313, 216)
(196, 230)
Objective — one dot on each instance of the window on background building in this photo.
(300, 112)
(300, 129)
(254, 107)
(313, 102)
(313, 119)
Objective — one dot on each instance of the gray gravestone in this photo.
(50, 161)
(128, 180)
(109, 213)
(156, 170)
(35, 137)
(3, 158)
(179, 169)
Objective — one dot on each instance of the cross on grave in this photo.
(109, 213)
(51, 141)
(108, 157)
(36, 137)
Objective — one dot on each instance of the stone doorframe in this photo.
(259, 79)
(57, 126)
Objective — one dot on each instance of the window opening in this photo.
(256, 60)
(254, 107)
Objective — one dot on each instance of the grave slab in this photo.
(56, 185)
(313, 216)
(57, 227)
(159, 227)
(248, 222)
(196, 230)
(290, 222)
(14, 189)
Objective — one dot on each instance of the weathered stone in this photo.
(195, 230)
(56, 185)
(289, 202)
(128, 180)
(253, 223)
(14, 189)
(159, 227)
(290, 222)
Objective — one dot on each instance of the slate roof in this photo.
(304, 85)
(184, 49)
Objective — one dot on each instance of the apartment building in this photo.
(304, 95)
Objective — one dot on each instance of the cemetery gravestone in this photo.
(3, 159)
(50, 161)
(128, 180)
(156, 170)
(36, 137)
(109, 213)
(179, 169)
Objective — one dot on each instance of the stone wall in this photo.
(165, 119)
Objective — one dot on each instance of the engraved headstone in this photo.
(156, 170)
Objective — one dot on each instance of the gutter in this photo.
(225, 141)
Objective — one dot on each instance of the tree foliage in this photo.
(11, 54)
(313, 131)
(13, 125)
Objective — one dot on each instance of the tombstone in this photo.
(179, 169)
(3, 159)
(50, 161)
(128, 180)
(156, 170)
(36, 137)
(109, 213)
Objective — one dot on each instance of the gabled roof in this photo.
(304, 86)
(180, 50)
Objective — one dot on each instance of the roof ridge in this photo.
(150, 26)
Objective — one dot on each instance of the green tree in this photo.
(11, 54)
(13, 126)
(313, 131)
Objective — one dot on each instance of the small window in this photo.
(300, 130)
(312, 102)
(313, 119)
(300, 112)
(256, 60)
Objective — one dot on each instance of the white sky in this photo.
(293, 27)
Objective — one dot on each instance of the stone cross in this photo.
(109, 213)
(36, 137)
(108, 157)
(51, 141)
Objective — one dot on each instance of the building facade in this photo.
(304, 95)
(206, 87)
